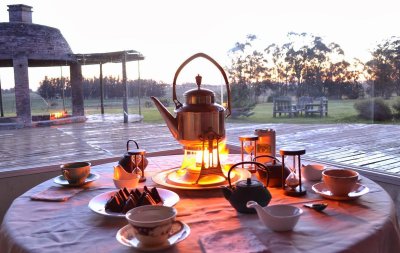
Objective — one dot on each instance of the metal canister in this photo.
(266, 144)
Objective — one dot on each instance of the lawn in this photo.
(339, 111)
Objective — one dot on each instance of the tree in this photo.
(246, 64)
(306, 65)
(384, 68)
(243, 100)
(246, 69)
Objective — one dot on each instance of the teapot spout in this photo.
(170, 120)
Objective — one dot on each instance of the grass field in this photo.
(340, 111)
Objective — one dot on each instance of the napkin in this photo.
(56, 194)
(241, 240)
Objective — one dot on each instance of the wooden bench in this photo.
(302, 102)
(320, 107)
(284, 105)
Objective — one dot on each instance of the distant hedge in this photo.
(374, 109)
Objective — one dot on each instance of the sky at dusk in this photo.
(168, 32)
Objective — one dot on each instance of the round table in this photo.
(367, 224)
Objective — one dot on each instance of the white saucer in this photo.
(64, 182)
(98, 203)
(358, 191)
(126, 236)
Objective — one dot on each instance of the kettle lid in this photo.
(249, 183)
(199, 95)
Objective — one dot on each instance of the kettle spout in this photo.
(170, 120)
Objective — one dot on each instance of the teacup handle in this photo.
(65, 173)
(179, 230)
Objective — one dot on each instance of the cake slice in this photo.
(130, 203)
(156, 196)
(114, 204)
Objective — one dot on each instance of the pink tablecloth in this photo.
(367, 224)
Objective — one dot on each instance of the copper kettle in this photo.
(199, 114)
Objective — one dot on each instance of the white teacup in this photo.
(340, 181)
(152, 224)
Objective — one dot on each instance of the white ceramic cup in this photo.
(152, 224)
(340, 181)
(312, 172)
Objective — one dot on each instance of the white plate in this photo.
(64, 182)
(161, 179)
(126, 236)
(97, 204)
(358, 191)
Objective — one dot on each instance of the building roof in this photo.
(42, 45)
(109, 57)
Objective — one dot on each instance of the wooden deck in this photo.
(369, 147)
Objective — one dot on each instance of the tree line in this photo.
(307, 65)
(113, 88)
(303, 65)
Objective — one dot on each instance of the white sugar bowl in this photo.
(312, 172)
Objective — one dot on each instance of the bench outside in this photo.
(320, 107)
(284, 105)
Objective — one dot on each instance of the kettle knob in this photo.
(198, 81)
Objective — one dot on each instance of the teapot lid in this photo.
(199, 95)
(249, 184)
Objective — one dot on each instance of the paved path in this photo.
(370, 147)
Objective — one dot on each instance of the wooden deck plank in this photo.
(347, 144)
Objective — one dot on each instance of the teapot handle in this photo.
(127, 144)
(175, 99)
(242, 163)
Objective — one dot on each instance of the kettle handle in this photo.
(127, 144)
(175, 99)
(242, 163)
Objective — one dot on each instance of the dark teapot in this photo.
(273, 170)
(246, 190)
(126, 160)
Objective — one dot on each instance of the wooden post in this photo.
(62, 89)
(140, 109)
(78, 108)
(1, 102)
(101, 89)
(125, 98)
